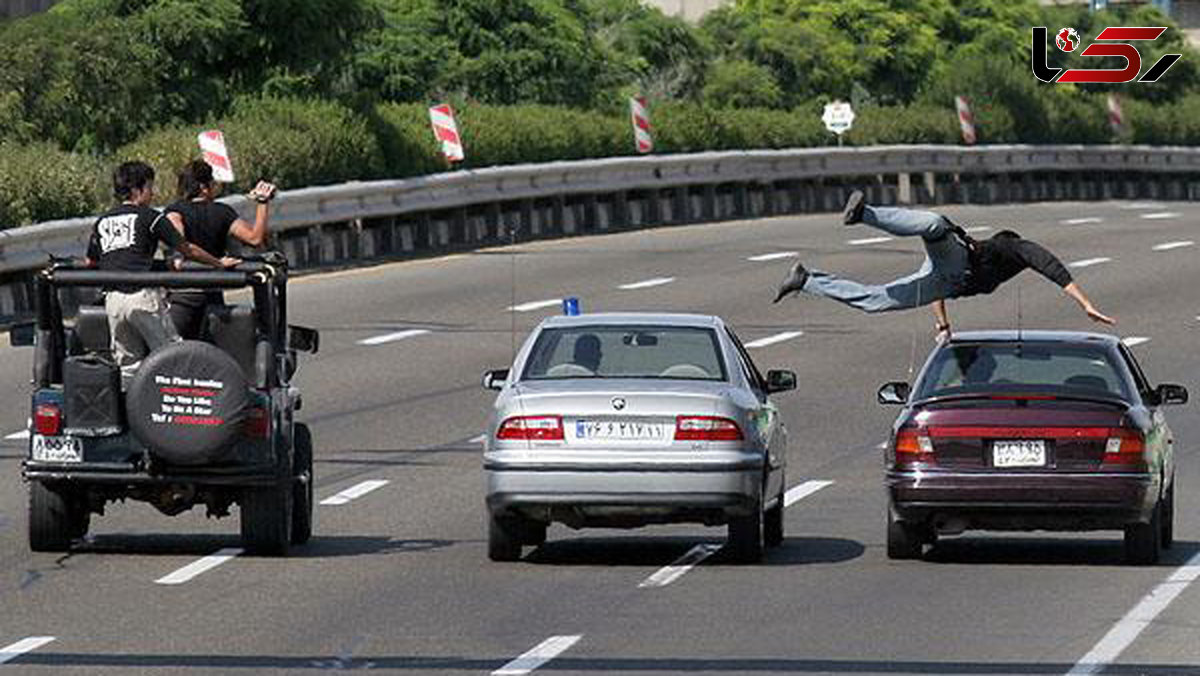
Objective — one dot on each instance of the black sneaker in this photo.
(794, 282)
(852, 212)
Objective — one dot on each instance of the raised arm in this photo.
(1080, 297)
(256, 235)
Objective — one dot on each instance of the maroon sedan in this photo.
(1037, 430)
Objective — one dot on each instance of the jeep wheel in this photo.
(55, 519)
(267, 520)
(302, 488)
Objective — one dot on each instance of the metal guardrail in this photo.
(27, 247)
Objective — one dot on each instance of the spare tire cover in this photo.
(187, 403)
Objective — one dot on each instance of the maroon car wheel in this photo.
(904, 539)
(1143, 541)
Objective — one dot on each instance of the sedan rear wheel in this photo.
(905, 540)
(1143, 541)
(503, 541)
(1168, 517)
(747, 537)
(773, 524)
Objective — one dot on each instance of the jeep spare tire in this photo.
(187, 403)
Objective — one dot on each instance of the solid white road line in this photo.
(534, 305)
(801, 491)
(869, 240)
(393, 337)
(1082, 221)
(1088, 262)
(771, 340)
(773, 256)
(14, 650)
(1167, 246)
(23, 434)
(678, 568)
(355, 491)
(1161, 215)
(200, 566)
(539, 655)
(978, 228)
(646, 284)
(1126, 631)
(1134, 340)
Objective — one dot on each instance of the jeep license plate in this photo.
(57, 449)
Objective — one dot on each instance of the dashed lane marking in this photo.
(801, 491)
(1134, 340)
(1082, 221)
(479, 439)
(200, 566)
(678, 568)
(1142, 205)
(1088, 262)
(12, 651)
(356, 491)
(978, 228)
(22, 434)
(393, 337)
(771, 340)
(773, 256)
(534, 305)
(646, 284)
(1167, 246)
(869, 240)
(1160, 215)
(538, 655)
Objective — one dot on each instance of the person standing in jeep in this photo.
(125, 240)
(209, 224)
(956, 266)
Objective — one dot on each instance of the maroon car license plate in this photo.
(1023, 453)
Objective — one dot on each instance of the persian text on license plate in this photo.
(619, 430)
(1023, 453)
(56, 449)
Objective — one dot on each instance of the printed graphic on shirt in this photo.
(116, 232)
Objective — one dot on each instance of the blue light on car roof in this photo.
(571, 306)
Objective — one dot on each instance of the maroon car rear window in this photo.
(1005, 367)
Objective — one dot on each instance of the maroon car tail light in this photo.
(532, 428)
(1125, 447)
(913, 447)
(706, 428)
(47, 420)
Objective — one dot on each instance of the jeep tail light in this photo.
(1125, 447)
(47, 420)
(706, 428)
(913, 447)
(257, 424)
(532, 428)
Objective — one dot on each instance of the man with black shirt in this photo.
(209, 224)
(956, 266)
(125, 240)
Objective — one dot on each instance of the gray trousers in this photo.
(138, 322)
(942, 274)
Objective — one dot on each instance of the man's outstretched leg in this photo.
(920, 288)
(895, 220)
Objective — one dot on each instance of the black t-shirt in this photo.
(126, 238)
(206, 224)
(1001, 257)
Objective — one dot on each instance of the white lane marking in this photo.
(1088, 262)
(1161, 215)
(646, 284)
(801, 491)
(678, 568)
(538, 655)
(200, 566)
(534, 305)
(14, 650)
(1142, 205)
(479, 439)
(978, 228)
(1134, 340)
(1082, 221)
(771, 340)
(393, 337)
(23, 434)
(1167, 246)
(355, 491)
(869, 240)
(1126, 631)
(883, 445)
(773, 256)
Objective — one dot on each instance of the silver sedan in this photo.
(623, 420)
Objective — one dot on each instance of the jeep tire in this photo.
(55, 518)
(302, 486)
(267, 519)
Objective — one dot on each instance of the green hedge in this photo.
(39, 182)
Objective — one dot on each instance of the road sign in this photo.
(445, 129)
(641, 124)
(838, 117)
(212, 146)
(965, 119)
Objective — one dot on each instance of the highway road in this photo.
(397, 580)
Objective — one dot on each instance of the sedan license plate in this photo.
(57, 449)
(1024, 453)
(619, 430)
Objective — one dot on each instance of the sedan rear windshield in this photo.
(1082, 370)
(609, 351)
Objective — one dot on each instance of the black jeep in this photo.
(199, 422)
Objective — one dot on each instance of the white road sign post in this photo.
(838, 117)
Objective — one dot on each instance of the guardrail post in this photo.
(355, 245)
(708, 210)
(904, 188)
(558, 210)
(620, 209)
(314, 246)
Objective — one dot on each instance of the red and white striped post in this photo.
(640, 117)
(445, 130)
(212, 147)
(1116, 119)
(965, 119)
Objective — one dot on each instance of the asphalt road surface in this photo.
(397, 580)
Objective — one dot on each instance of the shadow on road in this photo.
(1048, 552)
(659, 551)
(320, 547)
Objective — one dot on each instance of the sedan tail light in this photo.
(1125, 447)
(913, 447)
(47, 420)
(706, 428)
(532, 428)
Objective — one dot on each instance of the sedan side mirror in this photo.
(780, 380)
(1171, 394)
(495, 380)
(894, 393)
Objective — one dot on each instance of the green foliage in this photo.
(39, 182)
(918, 123)
(689, 127)
(741, 84)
